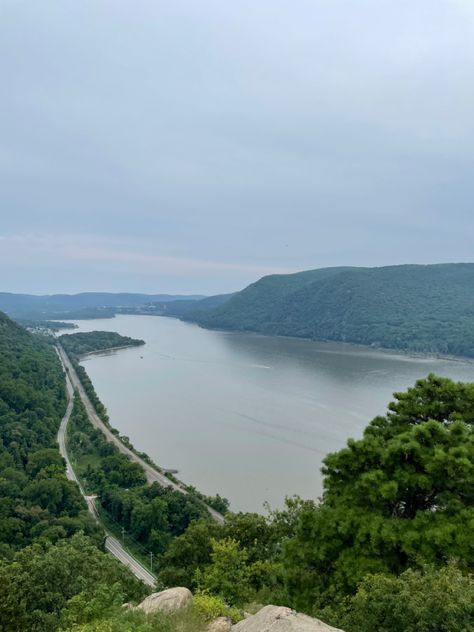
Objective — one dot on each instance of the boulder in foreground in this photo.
(166, 601)
(281, 619)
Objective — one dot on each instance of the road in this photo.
(111, 544)
(152, 474)
(114, 546)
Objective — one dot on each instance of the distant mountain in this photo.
(58, 305)
(188, 309)
(426, 308)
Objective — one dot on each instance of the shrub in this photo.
(210, 607)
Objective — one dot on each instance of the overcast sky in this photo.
(194, 146)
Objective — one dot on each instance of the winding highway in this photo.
(111, 544)
(152, 474)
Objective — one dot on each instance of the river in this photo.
(248, 416)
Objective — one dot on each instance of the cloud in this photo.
(214, 142)
(96, 251)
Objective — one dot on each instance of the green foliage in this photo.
(121, 620)
(400, 497)
(45, 585)
(416, 601)
(414, 308)
(235, 573)
(260, 537)
(89, 389)
(283, 522)
(217, 502)
(228, 575)
(36, 499)
(92, 341)
(210, 607)
(111, 466)
(151, 515)
(187, 553)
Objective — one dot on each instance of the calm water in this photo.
(248, 416)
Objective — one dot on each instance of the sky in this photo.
(195, 146)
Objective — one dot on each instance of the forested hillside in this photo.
(412, 308)
(37, 499)
(50, 548)
(188, 309)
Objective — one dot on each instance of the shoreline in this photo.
(249, 332)
(153, 473)
(354, 345)
(111, 544)
(108, 350)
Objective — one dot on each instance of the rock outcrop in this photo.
(268, 619)
(166, 601)
(280, 619)
(221, 624)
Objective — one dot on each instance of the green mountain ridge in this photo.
(418, 308)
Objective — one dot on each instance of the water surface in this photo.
(248, 416)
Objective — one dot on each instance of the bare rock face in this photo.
(280, 619)
(221, 624)
(166, 601)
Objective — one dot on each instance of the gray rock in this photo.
(166, 601)
(221, 624)
(280, 619)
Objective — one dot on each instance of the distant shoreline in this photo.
(355, 345)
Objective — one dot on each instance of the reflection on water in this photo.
(248, 416)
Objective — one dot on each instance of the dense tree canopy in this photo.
(91, 341)
(72, 581)
(45, 562)
(36, 499)
(432, 600)
(401, 496)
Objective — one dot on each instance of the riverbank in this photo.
(111, 544)
(152, 474)
(108, 351)
(337, 344)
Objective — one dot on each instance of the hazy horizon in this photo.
(197, 293)
(188, 148)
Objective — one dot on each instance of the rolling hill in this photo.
(422, 308)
